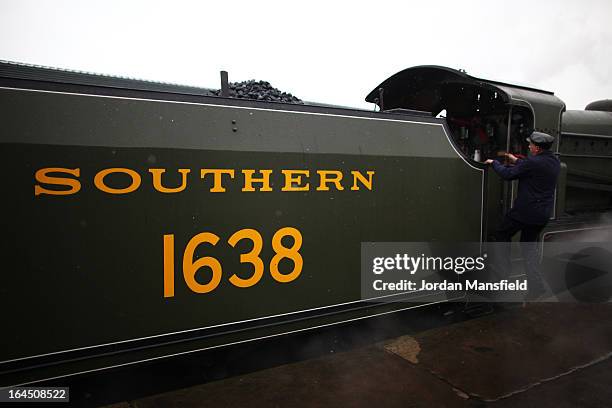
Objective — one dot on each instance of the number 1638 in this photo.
(191, 266)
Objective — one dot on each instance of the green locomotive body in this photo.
(147, 220)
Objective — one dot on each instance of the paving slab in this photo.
(589, 387)
(505, 353)
(367, 377)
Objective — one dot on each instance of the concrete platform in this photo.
(501, 354)
(542, 355)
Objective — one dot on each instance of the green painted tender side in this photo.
(88, 268)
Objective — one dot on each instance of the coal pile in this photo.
(258, 90)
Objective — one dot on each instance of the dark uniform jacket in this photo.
(537, 177)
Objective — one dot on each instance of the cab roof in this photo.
(428, 87)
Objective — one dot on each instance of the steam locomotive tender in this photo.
(145, 220)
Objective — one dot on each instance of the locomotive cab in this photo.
(484, 119)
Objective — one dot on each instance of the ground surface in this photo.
(556, 355)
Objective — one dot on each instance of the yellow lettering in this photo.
(358, 176)
(295, 176)
(42, 177)
(157, 183)
(217, 181)
(169, 265)
(326, 177)
(101, 185)
(249, 180)
(191, 266)
(282, 252)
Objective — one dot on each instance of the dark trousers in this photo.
(529, 248)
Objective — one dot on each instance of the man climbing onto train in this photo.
(537, 175)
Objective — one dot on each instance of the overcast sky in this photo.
(324, 51)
